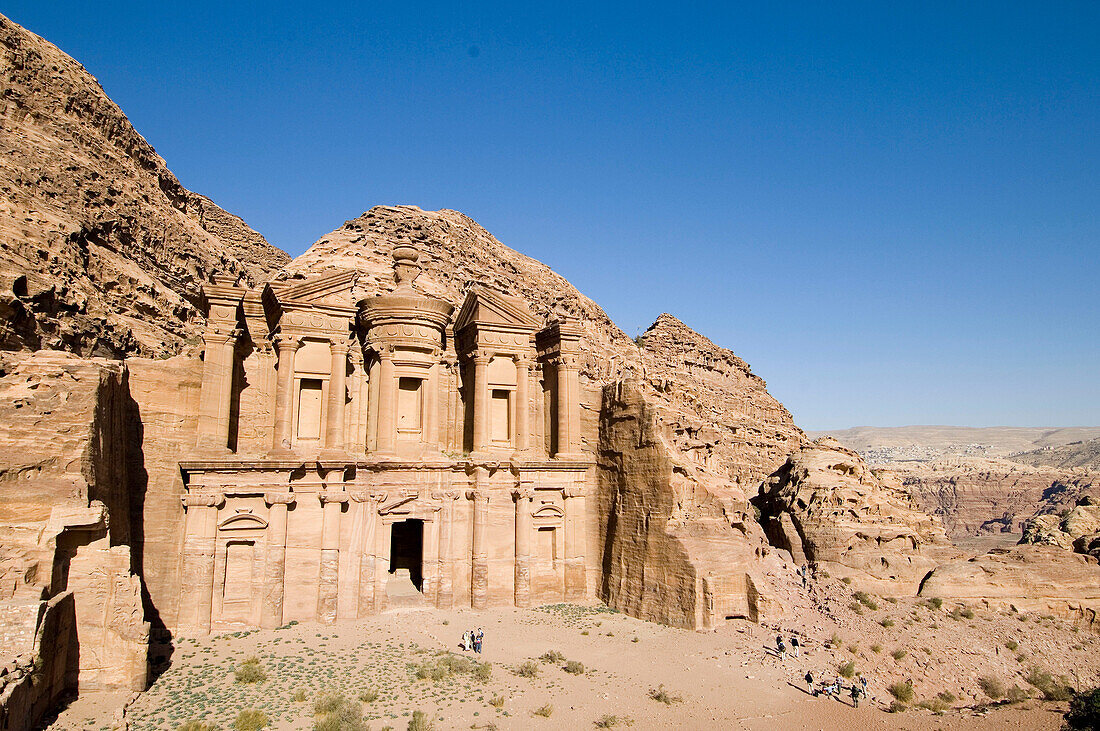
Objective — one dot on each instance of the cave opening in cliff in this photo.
(406, 552)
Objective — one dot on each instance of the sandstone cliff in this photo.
(826, 506)
(100, 245)
(975, 496)
(1077, 529)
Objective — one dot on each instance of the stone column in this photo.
(575, 579)
(197, 574)
(480, 393)
(523, 546)
(431, 403)
(337, 396)
(523, 406)
(387, 395)
(216, 395)
(568, 404)
(271, 609)
(328, 586)
(286, 346)
(445, 592)
(479, 558)
(381, 561)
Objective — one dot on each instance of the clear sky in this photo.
(891, 210)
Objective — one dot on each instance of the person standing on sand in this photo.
(794, 645)
(810, 683)
(478, 638)
(781, 648)
(855, 695)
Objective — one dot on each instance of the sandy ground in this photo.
(726, 679)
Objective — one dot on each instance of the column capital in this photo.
(285, 343)
(523, 361)
(339, 345)
(333, 496)
(385, 351)
(221, 333)
(279, 498)
(445, 495)
(478, 495)
(202, 500)
(573, 491)
(481, 357)
(523, 493)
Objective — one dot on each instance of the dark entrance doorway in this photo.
(407, 549)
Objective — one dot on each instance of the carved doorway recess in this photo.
(407, 551)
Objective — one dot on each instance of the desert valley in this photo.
(242, 490)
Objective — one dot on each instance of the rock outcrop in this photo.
(825, 506)
(1077, 529)
(982, 496)
(101, 248)
(1083, 454)
(1025, 578)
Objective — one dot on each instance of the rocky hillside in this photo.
(881, 445)
(100, 245)
(1084, 454)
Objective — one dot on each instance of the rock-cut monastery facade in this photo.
(356, 455)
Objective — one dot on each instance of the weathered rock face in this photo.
(68, 512)
(1027, 578)
(824, 505)
(975, 496)
(101, 245)
(1077, 529)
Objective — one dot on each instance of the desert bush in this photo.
(607, 721)
(250, 671)
(903, 692)
(421, 722)
(935, 602)
(553, 657)
(848, 669)
(946, 696)
(992, 686)
(835, 640)
(856, 607)
(483, 672)
(1016, 694)
(528, 670)
(895, 707)
(574, 667)
(370, 695)
(847, 579)
(545, 711)
(497, 701)
(876, 649)
(194, 726)
(250, 719)
(899, 654)
(866, 600)
(936, 705)
(1084, 710)
(333, 711)
(1053, 689)
(887, 623)
(967, 613)
(661, 695)
(298, 696)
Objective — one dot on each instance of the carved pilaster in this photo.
(479, 558)
(328, 587)
(286, 346)
(522, 497)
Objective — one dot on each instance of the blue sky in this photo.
(889, 209)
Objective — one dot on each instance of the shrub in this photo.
(250, 671)
(876, 649)
(250, 719)
(899, 654)
(483, 672)
(574, 667)
(847, 579)
(865, 599)
(903, 692)
(1012, 645)
(937, 705)
(1084, 710)
(194, 726)
(553, 657)
(848, 669)
(854, 649)
(1053, 689)
(661, 695)
(298, 696)
(1016, 694)
(334, 712)
(497, 701)
(992, 686)
(528, 670)
(936, 602)
(370, 695)
(967, 613)
(545, 711)
(856, 607)
(895, 707)
(946, 696)
(607, 721)
(835, 640)
(420, 722)
(887, 623)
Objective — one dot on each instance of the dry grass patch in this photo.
(661, 695)
(545, 711)
(250, 719)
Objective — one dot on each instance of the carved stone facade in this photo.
(351, 457)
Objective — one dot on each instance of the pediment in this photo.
(331, 289)
(487, 308)
(243, 521)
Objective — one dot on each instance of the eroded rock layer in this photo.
(101, 248)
